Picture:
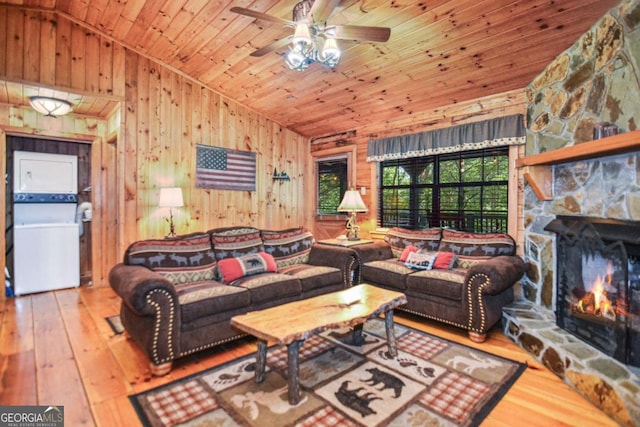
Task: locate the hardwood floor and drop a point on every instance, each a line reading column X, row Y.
column 57, row 349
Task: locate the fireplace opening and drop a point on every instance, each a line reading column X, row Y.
column 598, row 279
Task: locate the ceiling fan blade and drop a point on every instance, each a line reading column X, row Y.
column 321, row 9
column 260, row 15
column 271, row 47
column 361, row 33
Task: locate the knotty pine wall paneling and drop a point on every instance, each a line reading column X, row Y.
column 503, row 104
column 150, row 141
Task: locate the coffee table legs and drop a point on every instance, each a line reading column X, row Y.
column 391, row 337
column 293, row 351
column 261, row 361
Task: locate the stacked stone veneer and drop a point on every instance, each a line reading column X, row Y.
column 596, row 80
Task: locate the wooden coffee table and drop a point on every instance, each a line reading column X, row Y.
column 291, row 324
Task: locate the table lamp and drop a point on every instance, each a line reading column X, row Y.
column 171, row 197
column 352, row 203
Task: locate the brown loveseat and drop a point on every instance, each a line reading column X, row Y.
column 178, row 295
column 467, row 291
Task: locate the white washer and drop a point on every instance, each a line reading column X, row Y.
column 46, row 257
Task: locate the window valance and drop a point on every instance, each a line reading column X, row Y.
column 501, row 131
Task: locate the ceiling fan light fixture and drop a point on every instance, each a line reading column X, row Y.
column 330, row 53
column 296, row 60
column 48, row 106
column 302, row 36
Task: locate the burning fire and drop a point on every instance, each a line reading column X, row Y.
column 596, row 301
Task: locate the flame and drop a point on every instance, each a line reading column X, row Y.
column 602, row 305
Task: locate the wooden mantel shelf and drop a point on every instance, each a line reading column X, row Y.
column 538, row 172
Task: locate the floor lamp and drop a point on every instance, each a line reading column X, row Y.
column 171, row 198
column 352, row 203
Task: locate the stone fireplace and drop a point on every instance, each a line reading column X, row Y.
column 598, row 280
column 596, row 80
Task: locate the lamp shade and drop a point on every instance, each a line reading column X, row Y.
column 171, row 197
column 50, row 106
column 352, row 202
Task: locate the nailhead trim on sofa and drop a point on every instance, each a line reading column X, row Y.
column 156, row 332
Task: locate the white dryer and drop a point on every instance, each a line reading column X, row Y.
column 46, row 238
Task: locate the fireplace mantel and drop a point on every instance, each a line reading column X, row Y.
column 538, row 168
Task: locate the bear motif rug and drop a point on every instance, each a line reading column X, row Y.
column 432, row 382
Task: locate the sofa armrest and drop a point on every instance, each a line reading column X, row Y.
column 135, row 284
column 496, row 274
column 344, row 259
column 376, row 251
column 330, row 256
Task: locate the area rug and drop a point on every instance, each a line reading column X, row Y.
column 432, row 382
column 115, row 323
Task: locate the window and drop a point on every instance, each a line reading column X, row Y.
column 467, row 190
column 332, row 183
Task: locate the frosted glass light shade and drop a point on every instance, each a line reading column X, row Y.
column 50, row 106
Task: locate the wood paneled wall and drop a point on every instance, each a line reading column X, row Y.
column 504, row 104
column 150, row 141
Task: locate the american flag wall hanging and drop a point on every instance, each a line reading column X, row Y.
column 224, row 169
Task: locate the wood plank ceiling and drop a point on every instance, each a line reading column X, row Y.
column 441, row 52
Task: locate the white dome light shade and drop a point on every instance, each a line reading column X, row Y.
column 50, row 106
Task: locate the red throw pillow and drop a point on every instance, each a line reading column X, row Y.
column 407, row 250
column 231, row 269
column 445, row 260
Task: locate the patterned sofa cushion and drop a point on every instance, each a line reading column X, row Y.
column 182, row 260
column 442, row 283
column 398, row 238
column 472, row 248
column 288, row 247
column 391, row 272
column 233, row 242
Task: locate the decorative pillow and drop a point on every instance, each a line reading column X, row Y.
column 235, row 241
column 407, row 250
column 471, row 248
column 288, row 247
column 399, row 238
column 182, row 260
column 477, row 244
column 420, row 260
column 230, row 269
column 445, row 261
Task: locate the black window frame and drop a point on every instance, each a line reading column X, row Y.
column 421, row 214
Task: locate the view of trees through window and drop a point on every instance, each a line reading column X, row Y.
column 332, row 184
column 465, row 191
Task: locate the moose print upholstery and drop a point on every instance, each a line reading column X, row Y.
column 470, row 280
column 179, row 294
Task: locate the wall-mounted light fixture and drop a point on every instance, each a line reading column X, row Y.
column 52, row 107
column 171, row 197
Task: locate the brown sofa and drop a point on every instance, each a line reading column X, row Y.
column 178, row 295
column 468, row 292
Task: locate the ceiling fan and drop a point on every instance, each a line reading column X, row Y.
column 314, row 40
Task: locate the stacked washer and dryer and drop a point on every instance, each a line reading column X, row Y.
column 46, row 234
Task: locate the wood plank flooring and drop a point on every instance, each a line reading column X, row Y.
column 57, row 349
